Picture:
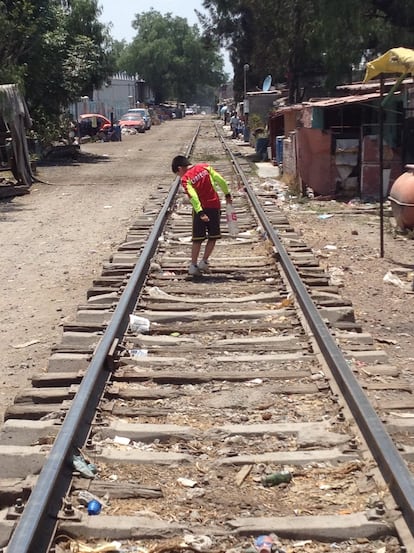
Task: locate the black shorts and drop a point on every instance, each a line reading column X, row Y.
column 201, row 230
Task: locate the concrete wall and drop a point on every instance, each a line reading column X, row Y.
column 289, row 155
column 261, row 103
column 315, row 164
column 121, row 93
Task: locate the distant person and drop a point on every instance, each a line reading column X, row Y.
column 234, row 125
column 200, row 183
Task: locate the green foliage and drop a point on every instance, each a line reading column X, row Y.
column 256, row 122
column 307, row 44
column 56, row 52
column 233, row 23
column 172, row 57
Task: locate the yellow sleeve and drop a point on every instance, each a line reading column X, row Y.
column 193, row 196
column 218, row 180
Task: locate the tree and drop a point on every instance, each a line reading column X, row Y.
column 19, row 22
column 304, row 43
column 398, row 13
column 172, row 57
column 55, row 51
column 232, row 22
column 89, row 60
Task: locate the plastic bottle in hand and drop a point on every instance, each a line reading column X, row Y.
column 231, row 217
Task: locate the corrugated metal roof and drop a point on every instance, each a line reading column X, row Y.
column 264, row 93
column 330, row 102
column 372, row 85
column 342, row 100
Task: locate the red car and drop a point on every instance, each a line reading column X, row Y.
column 132, row 121
column 92, row 123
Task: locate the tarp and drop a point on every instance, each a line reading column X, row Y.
column 396, row 60
column 14, row 112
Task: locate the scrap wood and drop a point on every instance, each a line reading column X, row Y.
column 243, row 474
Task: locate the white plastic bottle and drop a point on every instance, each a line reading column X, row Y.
column 231, row 217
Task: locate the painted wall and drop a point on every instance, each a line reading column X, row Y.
column 289, row 155
column 315, row 167
column 121, row 93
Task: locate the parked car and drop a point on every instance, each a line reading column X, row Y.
column 132, row 121
column 189, row 111
column 90, row 124
column 145, row 115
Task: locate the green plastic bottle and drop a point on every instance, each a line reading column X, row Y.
column 276, row 478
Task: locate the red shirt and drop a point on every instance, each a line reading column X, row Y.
column 200, row 183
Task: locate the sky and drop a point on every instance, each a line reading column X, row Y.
column 121, row 13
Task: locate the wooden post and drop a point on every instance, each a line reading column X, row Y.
column 381, row 164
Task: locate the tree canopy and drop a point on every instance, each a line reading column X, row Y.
column 55, row 51
column 173, row 57
column 58, row 50
column 307, row 42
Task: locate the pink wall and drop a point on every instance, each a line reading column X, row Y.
column 315, row 164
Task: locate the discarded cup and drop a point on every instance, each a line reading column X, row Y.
column 276, row 478
column 94, row 507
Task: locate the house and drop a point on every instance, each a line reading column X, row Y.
column 331, row 145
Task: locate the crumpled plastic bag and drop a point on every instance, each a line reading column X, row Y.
column 86, row 469
column 137, row 353
column 199, row 543
column 390, row 278
column 141, row 325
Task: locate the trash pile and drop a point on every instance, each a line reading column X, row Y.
column 190, row 542
column 95, row 505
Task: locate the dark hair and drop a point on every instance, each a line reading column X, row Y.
column 179, row 161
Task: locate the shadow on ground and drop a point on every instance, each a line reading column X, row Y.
column 69, row 155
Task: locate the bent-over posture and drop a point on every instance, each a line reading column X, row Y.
column 201, row 183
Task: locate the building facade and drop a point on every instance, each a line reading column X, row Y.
column 119, row 94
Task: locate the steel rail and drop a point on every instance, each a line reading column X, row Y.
column 37, row 524
column 392, row 466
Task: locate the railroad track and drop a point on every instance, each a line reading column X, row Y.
column 242, row 404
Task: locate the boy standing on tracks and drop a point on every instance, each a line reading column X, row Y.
column 200, row 183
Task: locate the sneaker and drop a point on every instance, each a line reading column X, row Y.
column 204, row 266
column 193, row 270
